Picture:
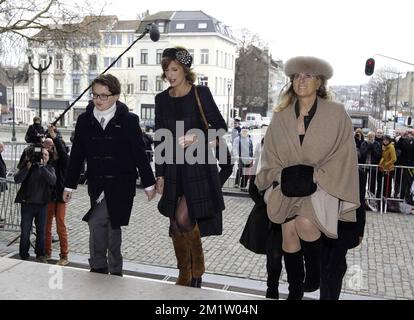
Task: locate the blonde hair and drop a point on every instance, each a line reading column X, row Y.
column 288, row 95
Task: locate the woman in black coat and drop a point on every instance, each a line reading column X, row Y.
column 191, row 190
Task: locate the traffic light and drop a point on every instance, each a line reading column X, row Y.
column 369, row 66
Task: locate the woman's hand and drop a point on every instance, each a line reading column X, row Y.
column 187, row 140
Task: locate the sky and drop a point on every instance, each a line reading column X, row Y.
column 345, row 33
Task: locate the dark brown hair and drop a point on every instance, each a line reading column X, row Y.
column 109, row 81
column 190, row 76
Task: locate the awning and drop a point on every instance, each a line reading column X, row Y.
column 49, row 104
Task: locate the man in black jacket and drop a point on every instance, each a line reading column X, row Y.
column 37, row 178
column 35, row 132
column 109, row 137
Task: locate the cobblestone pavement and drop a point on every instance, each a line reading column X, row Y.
column 385, row 258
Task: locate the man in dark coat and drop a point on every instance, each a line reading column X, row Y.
column 109, row 137
column 35, row 132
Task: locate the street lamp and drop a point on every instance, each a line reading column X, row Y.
column 40, row 69
column 228, row 101
column 13, row 76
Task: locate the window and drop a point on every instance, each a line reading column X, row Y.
column 147, row 111
column 130, row 88
column 158, row 84
column 93, row 62
column 43, row 60
column 159, row 56
column 131, row 38
column 144, row 56
column 58, row 87
column 191, row 52
column 75, row 87
column 44, row 86
column 143, row 83
column 113, row 39
column 204, row 56
column 202, row 25
column 130, row 62
column 59, row 62
column 180, row 26
column 161, row 27
column 31, row 82
column 109, row 60
column 76, row 62
column 225, row 60
column 217, row 58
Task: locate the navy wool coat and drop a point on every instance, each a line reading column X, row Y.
column 202, row 185
column 112, row 156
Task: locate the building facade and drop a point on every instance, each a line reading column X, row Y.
column 259, row 81
column 99, row 41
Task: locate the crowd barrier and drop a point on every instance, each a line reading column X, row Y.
column 9, row 211
column 384, row 191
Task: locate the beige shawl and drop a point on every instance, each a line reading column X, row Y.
column 329, row 147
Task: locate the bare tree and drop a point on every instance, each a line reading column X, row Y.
column 246, row 38
column 23, row 21
column 381, row 85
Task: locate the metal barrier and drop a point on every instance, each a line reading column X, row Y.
column 9, row 211
column 11, row 155
column 385, row 189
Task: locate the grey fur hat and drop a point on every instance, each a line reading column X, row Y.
column 311, row 65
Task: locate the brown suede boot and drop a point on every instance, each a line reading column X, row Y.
column 183, row 255
column 197, row 256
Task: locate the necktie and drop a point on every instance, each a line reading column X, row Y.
column 102, row 122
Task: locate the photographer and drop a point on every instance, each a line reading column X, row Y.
column 56, row 208
column 35, row 131
column 37, row 177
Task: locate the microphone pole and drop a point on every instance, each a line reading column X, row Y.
column 154, row 35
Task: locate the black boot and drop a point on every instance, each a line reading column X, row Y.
column 99, row 270
column 274, row 255
column 295, row 274
column 312, row 256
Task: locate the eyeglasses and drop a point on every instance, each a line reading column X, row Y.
column 303, row 76
column 102, row 97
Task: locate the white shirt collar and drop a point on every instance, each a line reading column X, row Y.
column 108, row 114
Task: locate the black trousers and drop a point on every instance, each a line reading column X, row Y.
column 333, row 268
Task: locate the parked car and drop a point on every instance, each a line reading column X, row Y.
column 10, row 121
column 254, row 120
column 149, row 124
column 265, row 121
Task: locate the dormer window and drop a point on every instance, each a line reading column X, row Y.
column 161, row 27
column 180, row 26
column 202, row 25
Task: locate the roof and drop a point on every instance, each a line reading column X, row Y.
column 127, row 25
column 191, row 21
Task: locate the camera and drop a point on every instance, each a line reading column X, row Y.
column 34, row 154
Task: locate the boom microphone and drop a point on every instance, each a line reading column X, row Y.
column 154, row 33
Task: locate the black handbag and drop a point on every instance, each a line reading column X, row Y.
column 255, row 232
column 297, row 181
